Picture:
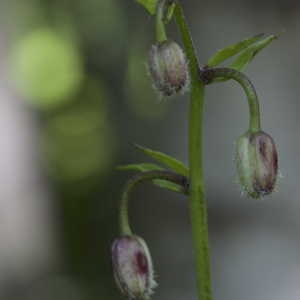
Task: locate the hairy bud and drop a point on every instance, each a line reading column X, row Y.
column 257, row 163
column 132, row 266
column 168, row 68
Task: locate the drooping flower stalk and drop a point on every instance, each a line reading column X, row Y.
column 207, row 75
column 138, row 179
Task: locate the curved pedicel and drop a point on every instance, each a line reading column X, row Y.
column 140, row 178
column 207, row 75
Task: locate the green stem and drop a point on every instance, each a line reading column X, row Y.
column 208, row 75
column 161, row 35
column 197, row 202
column 140, row 178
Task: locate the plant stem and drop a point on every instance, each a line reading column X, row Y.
column 198, row 209
column 161, row 35
column 209, row 74
column 140, row 178
column 197, row 202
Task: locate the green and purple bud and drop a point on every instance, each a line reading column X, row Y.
column 257, row 163
column 132, row 267
column 168, row 68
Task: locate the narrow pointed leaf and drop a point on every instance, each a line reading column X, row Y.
column 142, row 167
column 170, row 13
column 232, row 50
column 169, row 186
column 248, row 54
column 166, row 160
column 150, row 5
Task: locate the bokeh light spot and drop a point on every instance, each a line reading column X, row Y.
column 47, row 68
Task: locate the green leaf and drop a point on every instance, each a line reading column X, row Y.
column 168, row 185
column 170, row 13
column 166, row 160
column 232, row 50
column 150, row 5
column 142, row 167
column 249, row 53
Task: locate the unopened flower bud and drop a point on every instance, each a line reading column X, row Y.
column 168, row 68
column 257, row 163
column 132, row 266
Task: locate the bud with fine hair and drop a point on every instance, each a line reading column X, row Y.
column 168, row 68
column 132, row 267
column 257, row 163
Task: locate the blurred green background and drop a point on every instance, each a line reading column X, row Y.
column 74, row 95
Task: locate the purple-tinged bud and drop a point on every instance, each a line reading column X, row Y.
column 132, row 266
column 168, row 68
column 257, row 163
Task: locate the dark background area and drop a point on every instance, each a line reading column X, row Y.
column 74, row 95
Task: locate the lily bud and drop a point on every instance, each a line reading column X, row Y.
column 257, row 163
column 132, row 267
column 168, row 68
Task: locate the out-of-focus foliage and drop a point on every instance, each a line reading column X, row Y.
column 140, row 94
column 79, row 141
column 102, row 28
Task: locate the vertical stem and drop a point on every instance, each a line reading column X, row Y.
column 161, row 35
column 197, row 202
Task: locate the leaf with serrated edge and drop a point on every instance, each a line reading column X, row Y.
column 248, row 54
column 232, row 50
column 166, row 160
column 142, row 167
